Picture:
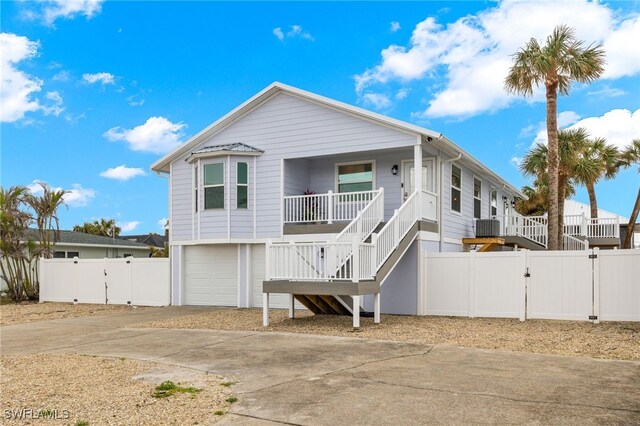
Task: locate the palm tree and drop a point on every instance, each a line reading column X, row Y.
column 536, row 202
column 598, row 160
column 45, row 208
column 536, row 163
column 558, row 63
column 630, row 156
column 104, row 227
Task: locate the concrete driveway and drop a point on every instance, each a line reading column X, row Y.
column 302, row 379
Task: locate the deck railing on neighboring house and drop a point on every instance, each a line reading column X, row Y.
column 327, row 207
column 600, row 227
column 572, row 243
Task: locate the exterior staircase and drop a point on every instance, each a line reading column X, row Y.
column 323, row 276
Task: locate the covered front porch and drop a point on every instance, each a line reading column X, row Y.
column 323, row 194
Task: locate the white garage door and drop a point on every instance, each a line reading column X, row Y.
column 258, row 271
column 211, row 275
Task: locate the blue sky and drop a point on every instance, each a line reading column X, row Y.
column 94, row 92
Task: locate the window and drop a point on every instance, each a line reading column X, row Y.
column 355, row 177
column 456, row 187
column 58, row 254
column 242, row 186
column 494, row 203
column 196, row 187
column 72, row 254
column 214, row 186
column 477, row 198
column 127, row 255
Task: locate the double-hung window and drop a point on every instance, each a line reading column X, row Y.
column 456, row 188
column 242, row 186
column 355, row 177
column 214, row 186
column 477, row 198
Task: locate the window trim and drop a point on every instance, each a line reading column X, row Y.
column 223, row 185
column 492, row 191
column 479, row 197
column 352, row 163
column 451, row 188
column 238, row 184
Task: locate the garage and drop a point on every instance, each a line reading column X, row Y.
column 211, row 275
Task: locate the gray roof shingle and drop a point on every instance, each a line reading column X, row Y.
column 70, row 237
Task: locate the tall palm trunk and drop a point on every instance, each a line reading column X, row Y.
column 552, row 136
column 632, row 221
column 562, row 194
column 592, row 200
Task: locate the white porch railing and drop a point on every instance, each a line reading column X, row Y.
column 349, row 257
column 389, row 237
column 533, row 228
column 570, row 243
column 327, row 207
column 601, row 227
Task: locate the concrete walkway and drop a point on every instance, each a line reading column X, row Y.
column 302, row 379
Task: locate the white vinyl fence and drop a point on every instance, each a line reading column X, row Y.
column 122, row 281
column 572, row 285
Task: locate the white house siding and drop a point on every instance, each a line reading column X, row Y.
column 181, row 182
column 284, row 127
column 399, row 292
column 297, row 176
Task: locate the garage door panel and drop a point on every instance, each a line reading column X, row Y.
column 211, row 275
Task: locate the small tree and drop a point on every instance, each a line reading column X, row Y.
column 103, row 227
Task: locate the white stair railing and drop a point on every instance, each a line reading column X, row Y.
column 571, row 243
column 389, row 237
column 533, row 228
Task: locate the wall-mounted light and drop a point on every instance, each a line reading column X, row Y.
column 504, row 199
column 394, row 169
column 513, row 203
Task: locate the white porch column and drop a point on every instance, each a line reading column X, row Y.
column 417, row 162
column 265, row 309
column 356, row 311
column 376, row 308
column 292, row 306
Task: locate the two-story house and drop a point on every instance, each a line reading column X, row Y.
column 305, row 198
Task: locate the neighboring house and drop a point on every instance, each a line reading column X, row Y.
column 239, row 223
column 575, row 210
column 88, row 246
column 154, row 240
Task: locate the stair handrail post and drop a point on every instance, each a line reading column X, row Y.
column 616, row 231
column 358, row 220
column 381, row 204
column 291, row 258
column 584, row 225
column 267, row 258
column 330, row 207
column 396, row 228
column 355, row 259
column 374, row 253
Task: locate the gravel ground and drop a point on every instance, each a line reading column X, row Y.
column 105, row 391
column 610, row 340
column 29, row 312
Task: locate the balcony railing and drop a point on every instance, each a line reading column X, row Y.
column 327, row 207
column 601, row 227
column 533, row 228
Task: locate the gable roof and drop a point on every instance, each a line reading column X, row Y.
column 437, row 139
column 155, row 240
column 80, row 238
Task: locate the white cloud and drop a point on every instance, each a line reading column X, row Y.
column 134, row 100
column 128, row 226
column 516, row 161
column 472, row 55
column 607, row 92
column 62, row 76
column 17, row 87
column 68, row 9
column 296, row 31
column 618, row 126
column 162, row 223
column 122, row 172
column 157, row 135
column 77, row 195
column 401, row 94
column 55, row 106
column 394, row 26
column 278, row 33
column 377, row 100
column 99, row 77
column 566, row 118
